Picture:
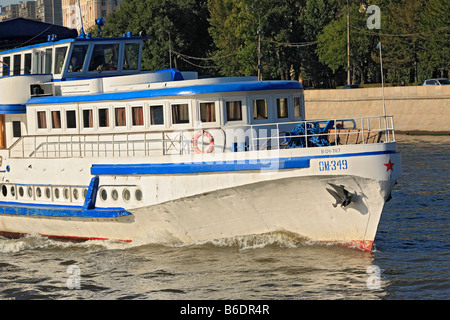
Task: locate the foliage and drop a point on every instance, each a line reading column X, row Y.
column 304, row 39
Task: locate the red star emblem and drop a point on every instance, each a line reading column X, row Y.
column 389, row 166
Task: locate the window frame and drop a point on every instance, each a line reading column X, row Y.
column 148, row 116
column 181, row 102
column 244, row 112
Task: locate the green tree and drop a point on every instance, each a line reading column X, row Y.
column 183, row 22
column 434, row 58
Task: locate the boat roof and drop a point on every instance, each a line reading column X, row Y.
column 85, row 39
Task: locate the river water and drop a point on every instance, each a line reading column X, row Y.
column 410, row 259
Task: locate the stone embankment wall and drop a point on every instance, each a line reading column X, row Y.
column 415, row 108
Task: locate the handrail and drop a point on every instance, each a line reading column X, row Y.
column 361, row 131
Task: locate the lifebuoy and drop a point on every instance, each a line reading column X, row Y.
column 207, row 135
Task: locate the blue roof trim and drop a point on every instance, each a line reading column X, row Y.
column 167, row 92
column 12, row 109
column 59, row 211
column 211, row 167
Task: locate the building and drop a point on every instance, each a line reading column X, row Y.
column 48, row 11
column 91, row 10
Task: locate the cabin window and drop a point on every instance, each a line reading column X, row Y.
column 180, row 113
column 17, row 130
column 88, row 121
column 282, row 108
column 137, row 114
column 120, row 117
column 27, row 64
column 131, row 57
column 6, row 66
column 16, row 67
column 56, row 119
column 60, row 57
column 103, row 118
column 42, row 120
column 156, row 115
column 71, row 119
column 104, row 57
column 208, row 112
column 260, row 109
column 48, row 60
column 297, row 107
column 77, row 59
column 234, row 110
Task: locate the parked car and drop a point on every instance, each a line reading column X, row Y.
column 351, row 86
column 435, row 82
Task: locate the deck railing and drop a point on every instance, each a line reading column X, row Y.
column 228, row 138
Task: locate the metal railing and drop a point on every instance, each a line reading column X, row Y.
column 229, row 138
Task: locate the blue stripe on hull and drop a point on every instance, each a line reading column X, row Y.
column 210, row 167
column 43, row 210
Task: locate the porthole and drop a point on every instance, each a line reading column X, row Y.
column 48, row 193
column 75, row 194
column 84, row 193
column 138, row 194
column 126, row 195
column 21, row 192
column 57, row 193
column 38, row 192
column 30, row 192
column 103, row 194
column 4, row 190
column 13, row 191
column 114, row 195
column 66, row 193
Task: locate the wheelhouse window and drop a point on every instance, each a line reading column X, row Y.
column 103, row 117
column 137, row 115
column 208, row 112
column 131, row 56
column 234, row 110
column 120, row 117
column 156, row 115
column 282, row 108
column 260, row 109
column 88, row 121
column 104, row 57
column 77, row 58
column 27, row 63
column 16, row 67
column 42, row 120
column 48, row 60
column 71, row 119
column 60, row 57
column 180, row 113
column 6, row 65
column 56, row 119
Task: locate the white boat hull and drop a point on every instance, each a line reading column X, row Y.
column 185, row 208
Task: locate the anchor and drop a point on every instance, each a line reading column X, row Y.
column 342, row 196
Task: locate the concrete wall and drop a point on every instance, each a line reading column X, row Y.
column 415, row 108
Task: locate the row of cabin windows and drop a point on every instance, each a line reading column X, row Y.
column 179, row 114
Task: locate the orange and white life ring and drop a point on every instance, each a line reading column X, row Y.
column 207, row 135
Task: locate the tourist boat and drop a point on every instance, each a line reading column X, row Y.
column 94, row 148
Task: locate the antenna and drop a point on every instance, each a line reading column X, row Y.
column 382, row 85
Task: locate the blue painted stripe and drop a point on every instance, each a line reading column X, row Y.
column 44, row 210
column 12, row 109
column 209, row 167
column 174, row 168
column 169, row 92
